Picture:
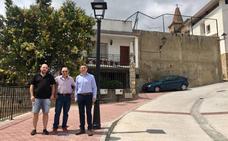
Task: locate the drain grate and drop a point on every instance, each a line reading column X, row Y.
column 220, row 91
column 155, row 131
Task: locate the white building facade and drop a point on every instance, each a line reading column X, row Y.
column 212, row 20
column 118, row 51
column 117, row 42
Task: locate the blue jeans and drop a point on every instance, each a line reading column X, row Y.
column 62, row 101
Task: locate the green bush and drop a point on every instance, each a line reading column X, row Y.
column 111, row 84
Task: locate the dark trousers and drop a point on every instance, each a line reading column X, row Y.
column 62, row 102
column 85, row 101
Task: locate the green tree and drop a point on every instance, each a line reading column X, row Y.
column 10, row 31
column 72, row 35
column 41, row 34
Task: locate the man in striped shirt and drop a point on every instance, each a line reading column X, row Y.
column 65, row 87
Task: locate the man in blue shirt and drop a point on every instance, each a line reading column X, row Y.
column 85, row 95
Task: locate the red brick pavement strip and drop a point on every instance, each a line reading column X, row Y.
column 19, row 129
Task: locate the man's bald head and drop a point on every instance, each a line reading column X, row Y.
column 44, row 68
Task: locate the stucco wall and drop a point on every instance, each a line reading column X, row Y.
column 116, row 43
column 220, row 13
column 116, row 33
column 225, row 23
column 195, row 57
column 116, row 25
column 215, row 14
column 113, row 50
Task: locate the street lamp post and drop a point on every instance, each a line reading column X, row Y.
column 99, row 7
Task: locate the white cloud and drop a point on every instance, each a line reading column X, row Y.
column 159, row 10
column 2, row 7
column 57, row 3
column 121, row 9
column 23, row 3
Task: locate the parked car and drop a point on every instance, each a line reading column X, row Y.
column 167, row 83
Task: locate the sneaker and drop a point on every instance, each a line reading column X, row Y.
column 90, row 132
column 33, row 132
column 80, row 132
column 45, row 132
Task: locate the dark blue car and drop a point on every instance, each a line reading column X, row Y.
column 173, row 82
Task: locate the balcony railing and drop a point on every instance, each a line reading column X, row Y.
column 106, row 60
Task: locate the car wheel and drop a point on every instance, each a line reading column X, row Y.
column 183, row 87
column 157, row 89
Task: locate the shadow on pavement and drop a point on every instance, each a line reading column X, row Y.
column 114, row 139
column 150, row 131
column 101, row 131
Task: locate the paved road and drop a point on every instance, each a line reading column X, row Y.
column 198, row 114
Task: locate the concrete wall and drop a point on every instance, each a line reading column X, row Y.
column 195, row 57
column 116, row 25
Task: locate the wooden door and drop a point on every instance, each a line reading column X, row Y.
column 124, row 55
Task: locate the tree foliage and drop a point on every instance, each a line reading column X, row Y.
column 41, row 34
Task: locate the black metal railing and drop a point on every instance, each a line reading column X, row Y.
column 14, row 101
column 106, row 60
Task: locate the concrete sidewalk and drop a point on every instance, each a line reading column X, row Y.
column 19, row 129
column 198, row 114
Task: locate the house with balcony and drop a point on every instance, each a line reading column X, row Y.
column 118, row 51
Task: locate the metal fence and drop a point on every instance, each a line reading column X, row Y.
column 105, row 60
column 14, row 101
column 142, row 21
